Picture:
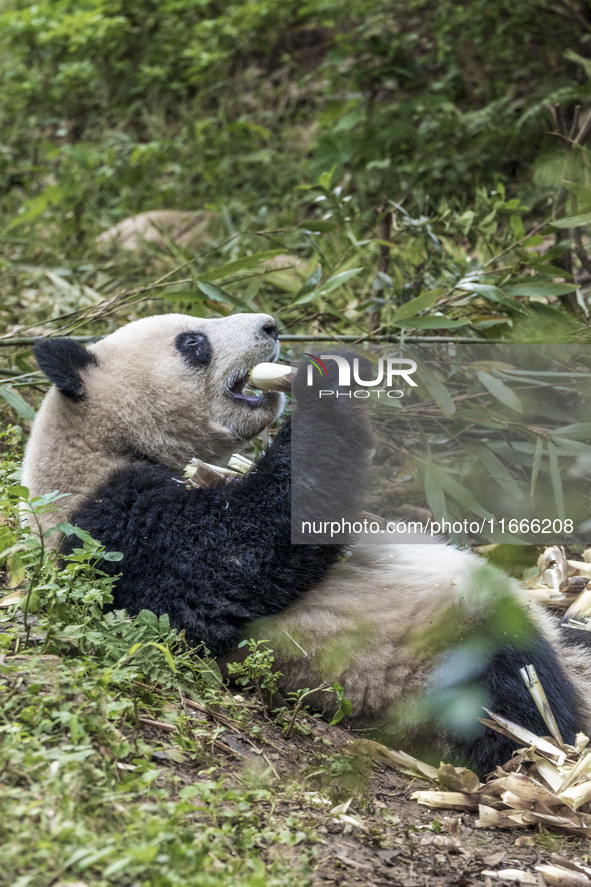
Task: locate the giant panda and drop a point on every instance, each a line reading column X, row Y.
column 392, row 623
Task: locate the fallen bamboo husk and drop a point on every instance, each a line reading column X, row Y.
column 199, row 474
column 547, row 783
column 560, row 582
column 534, row 685
column 13, row 598
column 560, row 876
column 517, row 875
column 566, row 874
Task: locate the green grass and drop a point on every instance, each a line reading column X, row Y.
column 88, row 796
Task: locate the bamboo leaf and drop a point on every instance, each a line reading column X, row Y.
column 436, row 389
column 571, row 447
column 574, row 431
column 537, row 460
column 573, row 221
column 431, row 322
column 331, row 284
column 18, row 403
column 187, row 295
column 243, row 264
column 246, row 263
column 434, row 493
column 500, row 391
column 540, row 289
column 338, row 280
column 162, row 647
column 463, row 495
column 165, row 652
column 497, row 470
column 482, row 289
column 415, row 306
column 217, row 294
column 556, row 480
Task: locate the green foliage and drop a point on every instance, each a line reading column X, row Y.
column 109, row 110
column 388, row 151
column 455, row 95
column 494, row 435
column 256, row 669
column 345, row 705
column 133, row 106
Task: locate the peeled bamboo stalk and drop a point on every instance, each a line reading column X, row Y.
column 272, row 377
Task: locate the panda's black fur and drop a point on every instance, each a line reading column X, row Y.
column 217, row 558
column 116, row 431
column 62, row 361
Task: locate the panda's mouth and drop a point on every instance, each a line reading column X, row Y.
column 235, row 388
column 239, row 380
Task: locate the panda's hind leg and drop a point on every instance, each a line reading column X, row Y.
column 507, row 695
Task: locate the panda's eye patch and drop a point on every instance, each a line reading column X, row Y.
column 195, row 347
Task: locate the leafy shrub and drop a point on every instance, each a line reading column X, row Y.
column 110, row 110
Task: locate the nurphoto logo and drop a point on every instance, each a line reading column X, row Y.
column 389, row 370
column 315, row 363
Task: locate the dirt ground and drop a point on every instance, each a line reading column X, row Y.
column 370, row 832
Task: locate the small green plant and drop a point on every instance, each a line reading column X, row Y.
column 256, row 669
column 298, row 698
column 345, row 706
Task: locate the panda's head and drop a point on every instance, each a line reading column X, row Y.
column 167, row 388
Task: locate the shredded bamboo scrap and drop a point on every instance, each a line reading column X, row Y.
column 542, row 785
column 561, row 583
column 200, row 474
column 561, row 872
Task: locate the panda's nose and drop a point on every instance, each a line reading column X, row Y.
column 270, row 329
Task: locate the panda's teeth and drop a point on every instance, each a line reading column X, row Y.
column 238, row 385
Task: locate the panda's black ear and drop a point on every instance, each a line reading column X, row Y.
column 62, row 361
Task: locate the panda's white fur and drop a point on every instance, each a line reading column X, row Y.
column 142, row 401
column 374, row 611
